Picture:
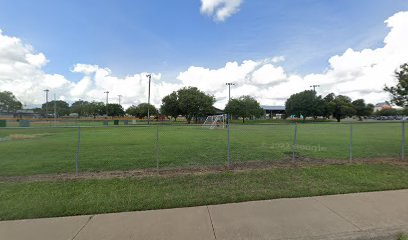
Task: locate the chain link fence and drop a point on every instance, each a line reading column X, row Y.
column 123, row 146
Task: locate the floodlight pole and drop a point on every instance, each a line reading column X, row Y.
column 148, row 99
column 55, row 109
column 314, row 87
column 229, row 96
column 80, row 108
column 228, row 125
column 46, row 102
column 120, row 96
column 107, row 99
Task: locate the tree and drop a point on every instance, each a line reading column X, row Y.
column 244, row 107
column 362, row 109
column 387, row 112
column 115, row 110
column 403, row 112
column 140, row 110
column 62, row 107
column 327, row 108
column 95, row 108
column 305, row 104
column 194, row 103
column 341, row 107
column 79, row 107
column 170, row 105
column 9, row 103
column 399, row 93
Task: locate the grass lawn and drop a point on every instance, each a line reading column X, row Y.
column 403, row 237
column 27, row 151
column 62, row 198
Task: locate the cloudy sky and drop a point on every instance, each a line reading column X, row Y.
column 270, row 48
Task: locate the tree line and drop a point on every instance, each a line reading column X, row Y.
column 308, row 104
column 194, row 104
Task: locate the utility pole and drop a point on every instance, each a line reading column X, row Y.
column 148, row 99
column 46, row 102
column 120, row 96
column 107, row 99
column 314, row 87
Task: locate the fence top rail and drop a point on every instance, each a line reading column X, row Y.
column 170, row 124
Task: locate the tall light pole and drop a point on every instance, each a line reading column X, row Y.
column 229, row 97
column 148, row 99
column 228, row 124
column 80, row 108
column 107, row 99
column 120, row 96
column 229, row 89
column 314, row 87
column 46, row 102
column 55, row 109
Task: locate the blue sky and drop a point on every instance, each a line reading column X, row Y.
column 169, row 36
column 80, row 48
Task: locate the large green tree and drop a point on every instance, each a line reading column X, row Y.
column 170, row 106
column 362, row 109
column 342, row 107
column 194, row 103
column 80, row 107
column 399, row 93
column 115, row 110
column 140, row 110
column 305, row 104
column 95, row 108
column 244, row 107
column 9, row 103
column 62, row 107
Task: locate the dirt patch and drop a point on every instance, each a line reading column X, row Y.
column 169, row 172
column 14, row 137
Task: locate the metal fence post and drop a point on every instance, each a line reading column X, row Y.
column 77, row 152
column 229, row 145
column 351, row 143
column 157, row 148
column 403, row 140
column 294, row 144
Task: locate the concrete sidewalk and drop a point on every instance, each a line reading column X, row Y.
column 377, row 215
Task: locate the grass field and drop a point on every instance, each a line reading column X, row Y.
column 28, row 151
column 62, row 198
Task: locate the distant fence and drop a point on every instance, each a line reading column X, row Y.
column 123, row 146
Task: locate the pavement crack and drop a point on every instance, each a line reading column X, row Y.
column 212, row 225
column 89, row 219
column 342, row 217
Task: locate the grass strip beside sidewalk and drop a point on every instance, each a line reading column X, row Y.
column 19, row 200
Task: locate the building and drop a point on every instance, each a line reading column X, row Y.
column 274, row 111
column 4, row 114
column 382, row 106
column 26, row 113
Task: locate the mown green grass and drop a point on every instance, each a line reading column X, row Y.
column 53, row 150
column 403, row 237
column 64, row 198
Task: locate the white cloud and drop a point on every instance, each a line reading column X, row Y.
column 21, row 71
column 358, row 74
column 220, row 9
